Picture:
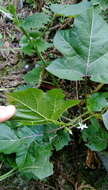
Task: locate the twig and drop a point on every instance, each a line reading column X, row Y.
column 98, row 88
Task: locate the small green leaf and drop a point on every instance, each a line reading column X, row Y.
column 70, row 10
column 36, row 45
column 36, row 21
column 96, row 102
column 26, row 46
column 34, row 77
column 105, row 119
column 41, row 45
column 36, row 107
column 62, row 139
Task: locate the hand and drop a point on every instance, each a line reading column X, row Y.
column 6, row 112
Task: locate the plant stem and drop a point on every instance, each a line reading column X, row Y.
column 41, row 57
column 8, row 174
column 98, row 88
column 69, row 124
column 72, row 121
column 82, row 115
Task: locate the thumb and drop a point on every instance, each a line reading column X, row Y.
column 6, row 112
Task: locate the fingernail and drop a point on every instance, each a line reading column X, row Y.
column 11, row 109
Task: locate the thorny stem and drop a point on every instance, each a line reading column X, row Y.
column 60, row 123
column 70, row 125
column 73, row 120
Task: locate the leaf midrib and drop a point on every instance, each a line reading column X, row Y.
column 35, row 111
column 89, row 50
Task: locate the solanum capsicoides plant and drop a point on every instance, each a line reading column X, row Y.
column 32, row 135
column 39, row 126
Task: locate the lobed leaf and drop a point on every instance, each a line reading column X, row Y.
column 32, row 150
column 85, row 49
column 37, row 163
column 36, row 107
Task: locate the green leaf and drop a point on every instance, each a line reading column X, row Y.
column 37, row 163
column 26, row 46
column 12, row 9
column 36, row 21
column 85, row 48
column 61, row 140
column 96, row 102
column 29, row 135
column 34, row 76
column 33, row 147
column 36, row 107
column 105, row 119
column 95, row 136
column 69, row 10
column 38, row 134
column 41, row 45
column 9, row 142
column 32, row 157
column 36, row 45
